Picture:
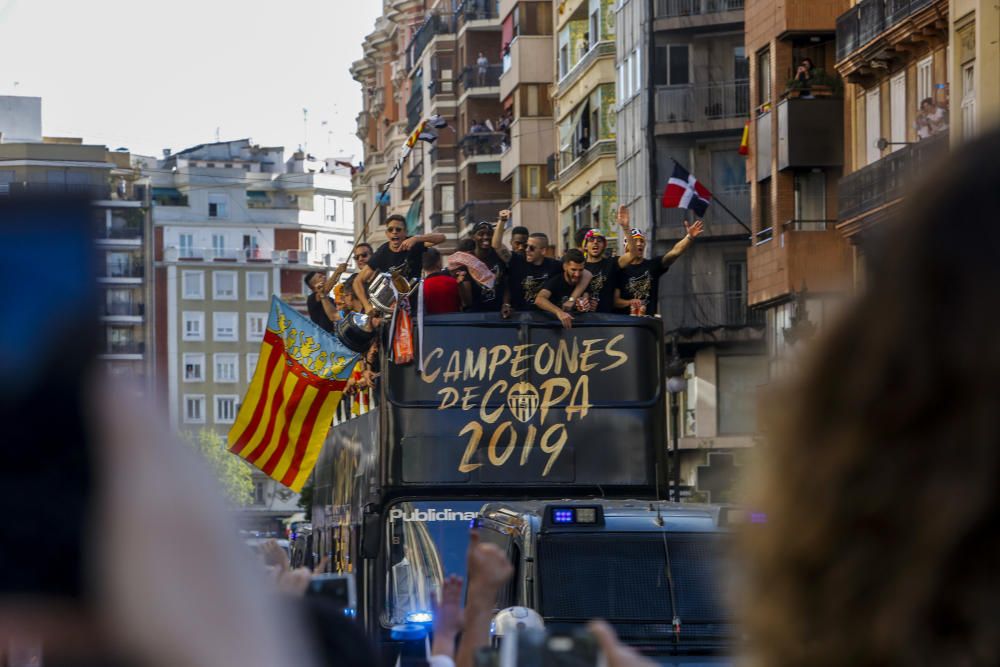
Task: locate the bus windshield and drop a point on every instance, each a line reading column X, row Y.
column 426, row 541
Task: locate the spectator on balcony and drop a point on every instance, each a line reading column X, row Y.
column 605, row 269
column 399, row 254
column 482, row 67
column 639, row 281
column 322, row 309
column 804, row 75
column 557, row 295
column 443, row 292
column 931, row 119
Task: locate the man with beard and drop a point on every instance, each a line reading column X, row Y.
column 556, row 295
column 605, row 269
column 486, row 299
column 362, row 253
column 639, row 282
column 526, row 275
column 397, row 255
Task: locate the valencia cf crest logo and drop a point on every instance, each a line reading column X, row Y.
column 523, row 401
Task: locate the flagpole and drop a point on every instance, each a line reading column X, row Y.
column 715, row 199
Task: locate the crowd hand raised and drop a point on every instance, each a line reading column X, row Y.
column 275, row 555
column 294, row 582
column 695, row 229
column 616, row 653
column 448, row 615
column 504, row 216
column 321, row 565
column 488, row 568
column 623, row 217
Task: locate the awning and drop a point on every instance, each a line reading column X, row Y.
column 166, row 192
column 487, row 167
column 257, row 195
column 414, row 225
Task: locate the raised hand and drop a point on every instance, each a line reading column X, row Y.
column 487, row 566
column 448, row 616
column 623, row 217
column 695, row 229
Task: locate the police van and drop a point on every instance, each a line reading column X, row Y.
column 494, row 411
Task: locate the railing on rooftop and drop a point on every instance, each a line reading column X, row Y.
column 482, row 143
column 703, row 101
column 474, row 76
column 708, row 310
column 678, row 8
column 436, row 24
column 889, row 179
column 868, row 19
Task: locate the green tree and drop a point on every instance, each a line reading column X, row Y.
column 233, row 474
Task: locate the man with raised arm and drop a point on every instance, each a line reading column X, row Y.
column 605, row 269
column 556, row 296
column 398, row 254
column 639, row 282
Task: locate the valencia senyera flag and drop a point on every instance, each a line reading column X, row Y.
column 286, row 414
column 684, row 191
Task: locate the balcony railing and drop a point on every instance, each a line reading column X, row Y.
column 124, row 309
column 571, row 163
column 678, row 8
column 702, row 101
column 124, row 347
column 711, row 310
column 809, row 225
column 889, row 179
column 473, row 77
column 482, row 143
column 436, row 24
column 475, row 211
column 126, row 269
column 120, row 233
column 868, row 19
column 442, row 219
column 477, row 10
column 441, row 87
column 599, row 50
column 442, row 154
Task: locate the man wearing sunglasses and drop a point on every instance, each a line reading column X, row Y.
column 362, row 253
column 398, row 254
column 605, row 269
column 639, row 282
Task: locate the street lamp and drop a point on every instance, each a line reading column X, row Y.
column 676, row 383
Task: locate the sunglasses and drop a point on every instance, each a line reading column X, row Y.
column 532, row 247
column 362, row 255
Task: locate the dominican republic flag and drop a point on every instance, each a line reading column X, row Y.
column 684, row 191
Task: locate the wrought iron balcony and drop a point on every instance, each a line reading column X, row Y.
column 476, row 10
column 471, row 78
column 482, row 143
column 868, row 19
column 889, row 179
column 703, row 101
column 678, row 8
column 708, row 310
column 436, row 24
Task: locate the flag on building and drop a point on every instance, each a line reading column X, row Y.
column 745, row 140
column 684, row 191
column 287, row 411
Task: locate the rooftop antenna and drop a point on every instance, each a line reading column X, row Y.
column 217, row 133
column 305, row 130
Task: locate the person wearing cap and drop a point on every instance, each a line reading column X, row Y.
column 488, row 299
column 639, row 281
column 605, row 269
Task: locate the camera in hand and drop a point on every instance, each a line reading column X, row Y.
column 338, row 588
column 531, row 647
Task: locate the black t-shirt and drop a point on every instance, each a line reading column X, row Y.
column 642, row 281
column 525, row 279
column 318, row 314
column 484, row 299
column 602, row 285
column 559, row 289
column 409, row 263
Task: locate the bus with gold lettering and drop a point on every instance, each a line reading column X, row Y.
column 492, row 410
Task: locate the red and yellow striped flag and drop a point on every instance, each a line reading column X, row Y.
column 289, row 406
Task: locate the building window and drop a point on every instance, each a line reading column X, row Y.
column 810, row 200
column 764, row 77
column 330, row 204
column 738, row 380
column 194, row 408
column 218, row 206
column 307, row 243
column 225, row 327
column 258, row 493
column 194, row 326
column 225, row 409
column 218, row 246
column 224, row 285
column 331, row 247
column 873, row 125
column 194, row 367
column 256, row 286
column 968, row 101
column 672, row 65
column 637, row 71
column 256, row 322
column 226, row 367
column 925, row 79
column 251, row 364
column 193, row 284
column 186, row 245
column 897, row 111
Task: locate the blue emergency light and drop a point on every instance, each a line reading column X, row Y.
column 578, row 515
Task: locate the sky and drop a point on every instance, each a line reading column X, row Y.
column 153, row 74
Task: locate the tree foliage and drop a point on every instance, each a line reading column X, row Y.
column 233, row 474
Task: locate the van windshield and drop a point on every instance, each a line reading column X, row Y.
column 425, row 542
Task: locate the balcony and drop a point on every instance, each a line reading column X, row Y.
column 436, row 24
column 474, row 82
column 810, row 133
column 871, row 19
column 124, row 310
column 596, row 52
column 688, row 313
column 763, row 152
column 479, row 144
column 127, row 232
column 701, row 106
column 531, row 142
column 124, row 347
column 887, row 181
column 571, row 164
column 530, row 61
column 475, row 211
column 689, row 14
column 477, row 13
column 123, row 268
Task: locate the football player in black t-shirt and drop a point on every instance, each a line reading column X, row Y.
column 398, row 254
column 639, row 282
column 604, row 269
column 556, row 296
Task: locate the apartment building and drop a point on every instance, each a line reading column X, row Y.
column 31, row 163
column 235, row 223
column 528, row 70
column 798, row 263
column 683, row 95
column 974, row 33
column 582, row 173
